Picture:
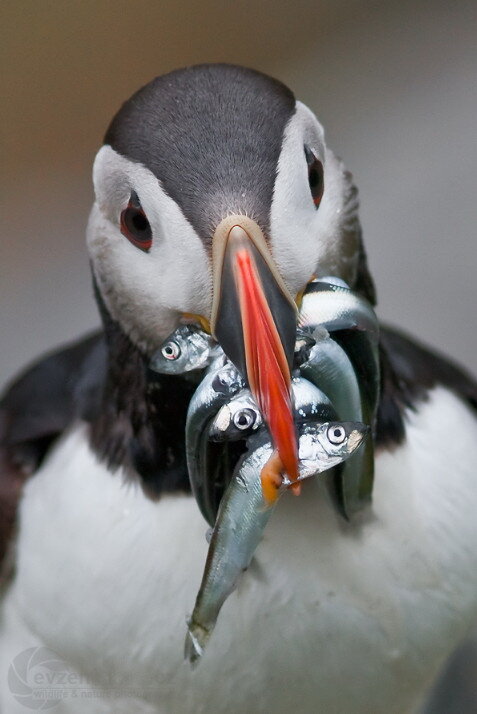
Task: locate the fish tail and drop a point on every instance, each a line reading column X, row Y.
column 195, row 642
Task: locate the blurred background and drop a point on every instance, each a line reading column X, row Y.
column 393, row 83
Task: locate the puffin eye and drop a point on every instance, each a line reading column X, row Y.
column 315, row 176
column 244, row 419
column 134, row 224
column 336, row 434
column 171, row 350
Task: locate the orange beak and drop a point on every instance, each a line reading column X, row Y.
column 254, row 320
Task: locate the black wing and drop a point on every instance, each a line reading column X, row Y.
column 408, row 371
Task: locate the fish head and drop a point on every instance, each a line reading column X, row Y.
column 186, row 349
column 237, row 419
column 304, row 341
column 341, row 438
column 226, row 379
column 324, row 445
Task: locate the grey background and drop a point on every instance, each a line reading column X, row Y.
column 394, row 84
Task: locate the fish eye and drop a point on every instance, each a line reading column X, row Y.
column 336, row 434
column 315, row 175
column 171, row 350
column 244, row 419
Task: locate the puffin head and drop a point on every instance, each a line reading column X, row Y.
column 217, row 201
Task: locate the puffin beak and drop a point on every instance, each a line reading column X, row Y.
column 254, row 319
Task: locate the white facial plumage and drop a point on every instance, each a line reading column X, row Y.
column 306, row 240
column 145, row 292
column 148, row 292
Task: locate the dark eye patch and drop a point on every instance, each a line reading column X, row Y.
column 315, row 176
column 134, row 224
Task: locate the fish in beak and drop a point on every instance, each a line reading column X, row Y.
column 254, row 319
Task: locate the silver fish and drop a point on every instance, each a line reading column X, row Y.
column 236, row 419
column 329, row 366
column 310, row 403
column 243, row 516
column 188, row 348
column 336, row 307
column 353, row 323
column 240, row 416
column 219, row 385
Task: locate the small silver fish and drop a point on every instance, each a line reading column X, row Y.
column 236, row 419
column 221, row 382
column 335, row 307
column 329, row 367
column 323, row 446
column 328, row 304
column 243, row 516
column 309, row 403
column 188, row 348
column 239, row 417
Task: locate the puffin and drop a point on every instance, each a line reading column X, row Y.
column 203, row 172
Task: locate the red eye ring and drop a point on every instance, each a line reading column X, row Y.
column 134, row 224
